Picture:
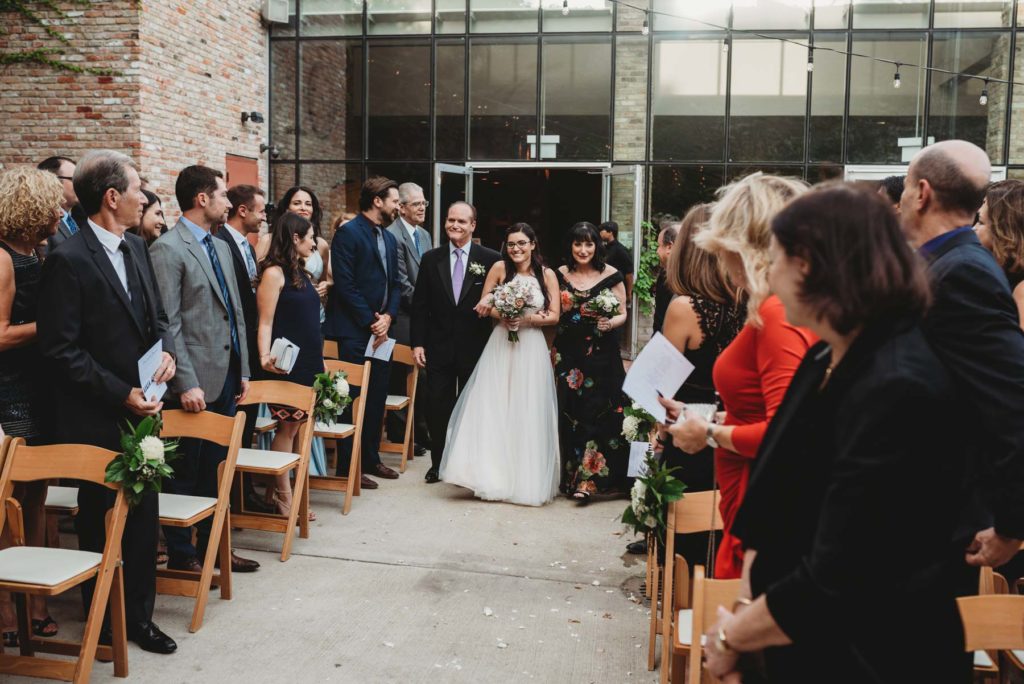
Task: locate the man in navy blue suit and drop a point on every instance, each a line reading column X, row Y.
column 362, row 304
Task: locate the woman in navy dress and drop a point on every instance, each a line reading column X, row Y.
column 289, row 307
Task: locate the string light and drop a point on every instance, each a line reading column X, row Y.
column 725, row 44
column 646, row 28
column 810, row 59
column 983, row 100
column 896, row 82
column 565, row 8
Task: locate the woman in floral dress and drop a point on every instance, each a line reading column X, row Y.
column 589, row 369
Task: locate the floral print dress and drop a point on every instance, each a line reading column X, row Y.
column 589, row 375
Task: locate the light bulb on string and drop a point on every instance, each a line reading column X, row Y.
column 565, row 8
column 725, row 44
column 646, row 28
column 983, row 100
column 896, row 82
column 810, row 59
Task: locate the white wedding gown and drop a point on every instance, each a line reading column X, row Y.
column 503, row 433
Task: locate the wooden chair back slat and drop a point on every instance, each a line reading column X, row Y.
column 695, row 512
column 70, row 461
column 281, row 392
column 992, row 622
column 403, row 354
column 206, row 425
column 331, row 349
column 708, row 594
column 355, row 372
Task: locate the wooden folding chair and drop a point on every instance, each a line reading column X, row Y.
column 331, row 350
column 992, row 622
column 358, row 376
column 267, row 462
column 396, row 402
column 41, row 571
column 179, row 510
column 708, row 595
column 60, row 501
column 695, row 512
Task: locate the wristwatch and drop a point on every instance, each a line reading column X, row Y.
column 710, row 434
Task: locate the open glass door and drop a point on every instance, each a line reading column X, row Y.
column 622, row 201
column 452, row 183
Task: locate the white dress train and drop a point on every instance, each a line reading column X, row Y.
column 503, row 434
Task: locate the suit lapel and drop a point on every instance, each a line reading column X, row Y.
column 99, row 255
column 444, row 267
column 199, row 252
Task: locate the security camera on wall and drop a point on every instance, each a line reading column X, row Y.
column 275, row 11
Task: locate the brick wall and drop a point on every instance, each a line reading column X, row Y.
column 187, row 71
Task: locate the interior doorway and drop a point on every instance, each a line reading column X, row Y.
column 551, row 200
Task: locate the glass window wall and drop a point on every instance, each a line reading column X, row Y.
column 689, row 84
column 282, row 96
column 502, row 98
column 828, row 98
column 398, row 100
column 331, row 17
column 331, row 100
column 401, row 17
column 336, row 187
column 576, row 99
column 450, row 101
column 674, row 189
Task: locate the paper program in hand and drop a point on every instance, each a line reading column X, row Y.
column 658, row 371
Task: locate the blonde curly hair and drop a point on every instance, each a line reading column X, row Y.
column 740, row 223
column 29, row 204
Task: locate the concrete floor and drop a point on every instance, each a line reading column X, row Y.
column 418, row 583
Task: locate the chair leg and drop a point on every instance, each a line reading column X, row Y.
column 226, row 578
column 119, row 635
column 24, row 629
column 653, row 628
column 304, row 511
column 299, row 506
column 206, row 576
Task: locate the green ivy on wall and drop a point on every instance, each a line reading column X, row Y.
column 29, row 11
column 647, row 274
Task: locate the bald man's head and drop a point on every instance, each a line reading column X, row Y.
column 957, row 173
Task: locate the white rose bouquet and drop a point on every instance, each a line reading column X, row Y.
column 603, row 305
column 510, row 299
column 650, row 497
column 332, row 395
column 144, row 461
column 637, row 424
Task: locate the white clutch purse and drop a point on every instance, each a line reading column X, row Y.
column 285, row 354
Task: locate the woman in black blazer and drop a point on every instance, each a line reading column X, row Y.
column 850, row 572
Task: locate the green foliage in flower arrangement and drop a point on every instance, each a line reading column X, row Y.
column 332, row 395
column 144, row 460
column 47, row 56
column 649, row 499
column 647, row 274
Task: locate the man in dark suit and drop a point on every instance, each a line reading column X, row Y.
column 663, row 295
column 617, row 255
column 99, row 311
column 361, row 307
column 447, row 334
column 72, row 216
column 973, row 326
column 413, row 242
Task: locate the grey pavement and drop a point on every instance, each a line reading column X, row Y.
column 419, row 583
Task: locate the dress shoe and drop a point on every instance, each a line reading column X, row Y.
column 432, row 476
column 419, row 450
column 257, row 505
column 367, row 483
column 239, row 564
column 149, row 638
column 381, row 470
column 637, row 548
column 190, row 564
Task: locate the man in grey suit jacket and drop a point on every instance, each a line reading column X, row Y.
column 200, row 294
column 413, row 242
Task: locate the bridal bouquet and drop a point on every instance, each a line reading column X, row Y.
column 332, row 395
column 649, row 499
column 144, row 461
column 605, row 304
column 510, row 299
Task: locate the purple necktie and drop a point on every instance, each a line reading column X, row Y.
column 457, row 275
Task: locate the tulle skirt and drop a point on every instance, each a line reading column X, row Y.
column 503, row 434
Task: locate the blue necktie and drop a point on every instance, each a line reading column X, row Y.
column 219, row 272
column 70, row 223
column 416, row 239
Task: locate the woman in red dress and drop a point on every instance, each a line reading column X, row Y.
column 752, row 374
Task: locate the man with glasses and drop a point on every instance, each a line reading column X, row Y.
column 413, row 242
column 71, row 215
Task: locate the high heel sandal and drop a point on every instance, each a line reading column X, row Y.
column 285, row 507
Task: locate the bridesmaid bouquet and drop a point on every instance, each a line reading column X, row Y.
column 510, row 299
column 637, row 424
column 144, row 462
column 649, row 499
column 332, row 395
column 604, row 304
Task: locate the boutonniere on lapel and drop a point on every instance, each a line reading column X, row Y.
column 477, row 268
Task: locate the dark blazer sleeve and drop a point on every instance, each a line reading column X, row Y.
column 988, row 365
column 394, row 276
column 344, row 252
column 420, row 316
column 59, row 330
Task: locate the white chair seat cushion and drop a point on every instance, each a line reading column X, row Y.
column 264, row 458
column 684, row 627
column 981, row 659
column 61, row 497
column 265, row 422
column 325, row 429
column 1018, row 654
column 395, row 401
column 182, row 507
column 39, row 565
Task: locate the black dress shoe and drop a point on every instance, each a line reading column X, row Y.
column 149, row 638
column 419, row 450
column 381, row 470
column 432, row 476
column 367, row 483
column 191, row 564
column 638, row 548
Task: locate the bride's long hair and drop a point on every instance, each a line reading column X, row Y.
column 536, row 262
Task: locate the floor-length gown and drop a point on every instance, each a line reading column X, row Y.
column 503, row 434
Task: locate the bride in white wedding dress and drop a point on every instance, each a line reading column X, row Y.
column 503, row 434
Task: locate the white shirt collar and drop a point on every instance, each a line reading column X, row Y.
column 409, row 228
column 110, row 242
column 464, row 248
column 239, row 239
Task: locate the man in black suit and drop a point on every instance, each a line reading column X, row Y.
column 99, row 311
column 973, row 326
column 361, row 307
column 72, row 216
column 617, row 255
column 247, row 214
column 447, row 334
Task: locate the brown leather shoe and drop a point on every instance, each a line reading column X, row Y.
column 239, row 564
column 367, row 483
column 381, row 470
column 189, row 564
